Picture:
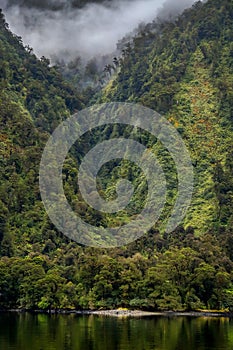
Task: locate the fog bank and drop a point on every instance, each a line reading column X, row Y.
column 61, row 28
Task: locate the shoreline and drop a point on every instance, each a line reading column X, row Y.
column 126, row 313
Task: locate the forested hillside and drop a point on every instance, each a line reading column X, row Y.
column 182, row 69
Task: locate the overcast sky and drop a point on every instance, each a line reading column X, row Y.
column 56, row 27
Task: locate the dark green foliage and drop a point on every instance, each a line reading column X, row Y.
column 183, row 69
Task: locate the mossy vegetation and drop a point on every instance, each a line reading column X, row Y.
column 182, row 69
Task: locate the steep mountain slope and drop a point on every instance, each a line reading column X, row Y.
column 33, row 100
column 182, row 69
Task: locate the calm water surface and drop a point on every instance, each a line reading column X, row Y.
column 72, row 332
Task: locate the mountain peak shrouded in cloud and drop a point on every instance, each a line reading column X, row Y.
column 40, row 4
column 70, row 28
column 54, row 5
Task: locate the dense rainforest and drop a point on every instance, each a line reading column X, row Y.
column 181, row 68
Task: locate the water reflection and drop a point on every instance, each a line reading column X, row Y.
column 75, row 332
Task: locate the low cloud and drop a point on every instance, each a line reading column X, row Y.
column 60, row 28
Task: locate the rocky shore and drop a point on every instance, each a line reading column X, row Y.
column 138, row 313
column 130, row 313
column 125, row 313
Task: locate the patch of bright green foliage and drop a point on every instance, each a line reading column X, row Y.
column 182, row 69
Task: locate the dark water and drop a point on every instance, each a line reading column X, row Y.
column 72, row 332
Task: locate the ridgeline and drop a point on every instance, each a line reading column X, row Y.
column 183, row 69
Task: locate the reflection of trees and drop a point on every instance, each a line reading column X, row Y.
column 77, row 332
